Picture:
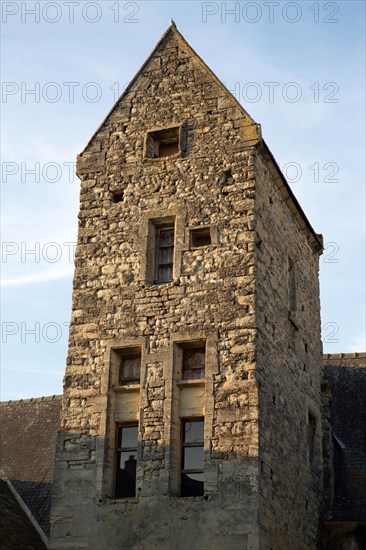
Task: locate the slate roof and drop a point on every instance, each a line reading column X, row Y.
column 346, row 377
column 17, row 530
column 28, row 430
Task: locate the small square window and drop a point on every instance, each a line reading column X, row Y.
column 200, row 237
column 291, row 285
column 117, row 196
column 193, row 362
column 129, row 366
column 162, row 143
column 311, row 436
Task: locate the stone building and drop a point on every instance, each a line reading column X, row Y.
column 191, row 407
column 192, row 414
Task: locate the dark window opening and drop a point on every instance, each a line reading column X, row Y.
column 168, row 149
column 164, row 254
column 311, row 436
column 192, row 477
column 292, row 285
column 162, row 143
column 228, row 177
column 193, row 363
column 130, row 366
column 126, row 460
column 117, row 196
column 200, row 237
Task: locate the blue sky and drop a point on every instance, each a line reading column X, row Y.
column 297, row 68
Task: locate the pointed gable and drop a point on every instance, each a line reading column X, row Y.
column 172, row 69
column 175, row 88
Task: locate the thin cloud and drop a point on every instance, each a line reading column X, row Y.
column 30, row 370
column 38, row 277
column 357, row 343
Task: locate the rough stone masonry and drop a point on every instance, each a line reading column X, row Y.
column 196, row 273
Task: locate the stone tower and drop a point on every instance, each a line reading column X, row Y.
column 191, row 407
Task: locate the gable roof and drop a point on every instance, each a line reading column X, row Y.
column 172, row 29
column 18, row 529
column 28, row 445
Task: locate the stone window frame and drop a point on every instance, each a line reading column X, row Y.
column 152, row 220
column 105, row 474
column 182, row 142
column 172, row 418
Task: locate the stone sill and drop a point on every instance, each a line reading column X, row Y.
column 161, row 159
column 127, row 388
column 190, row 383
column 135, row 500
column 204, row 247
column 201, row 498
column 127, row 500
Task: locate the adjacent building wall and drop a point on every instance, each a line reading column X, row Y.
column 344, row 390
column 345, row 375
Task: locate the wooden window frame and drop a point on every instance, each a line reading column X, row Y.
column 185, row 445
column 127, row 353
column 121, row 449
column 157, row 265
column 191, row 346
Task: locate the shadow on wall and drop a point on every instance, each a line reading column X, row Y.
column 85, row 509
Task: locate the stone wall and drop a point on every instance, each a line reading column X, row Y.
column 288, row 368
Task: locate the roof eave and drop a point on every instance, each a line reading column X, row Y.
column 316, row 239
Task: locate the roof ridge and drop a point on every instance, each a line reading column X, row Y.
column 340, row 355
column 30, row 400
